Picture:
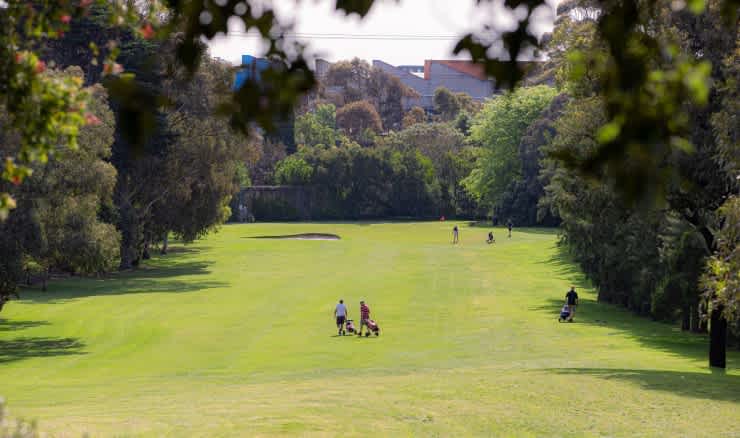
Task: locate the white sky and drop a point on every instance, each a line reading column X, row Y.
column 333, row 36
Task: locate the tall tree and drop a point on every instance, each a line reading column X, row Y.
column 317, row 127
column 56, row 225
column 499, row 128
column 360, row 121
column 358, row 81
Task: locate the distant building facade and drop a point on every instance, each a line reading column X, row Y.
column 251, row 69
column 457, row 76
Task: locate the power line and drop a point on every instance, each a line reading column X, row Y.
column 347, row 36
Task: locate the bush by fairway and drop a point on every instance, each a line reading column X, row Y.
column 234, row 337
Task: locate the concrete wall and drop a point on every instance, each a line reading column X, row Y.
column 265, row 203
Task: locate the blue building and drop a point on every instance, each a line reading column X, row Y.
column 251, row 69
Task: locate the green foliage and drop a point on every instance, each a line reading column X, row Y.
column 293, row 171
column 358, row 81
column 446, row 104
column 318, row 127
column 370, row 182
column 56, row 224
column 721, row 280
column 413, row 116
column 499, row 128
column 359, row 120
column 445, row 147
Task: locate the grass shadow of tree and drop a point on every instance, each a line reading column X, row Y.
column 159, row 277
column 714, row 386
column 652, row 334
column 11, row 325
column 25, row 348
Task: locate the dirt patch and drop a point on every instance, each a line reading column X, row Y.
column 303, row 236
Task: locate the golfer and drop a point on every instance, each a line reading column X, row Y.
column 510, row 227
column 490, row 238
column 455, row 235
column 364, row 316
column 340, row 312
column 571, row 298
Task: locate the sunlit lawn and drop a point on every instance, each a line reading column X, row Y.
column 234, row 337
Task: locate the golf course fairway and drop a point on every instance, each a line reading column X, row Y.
column 234, row 336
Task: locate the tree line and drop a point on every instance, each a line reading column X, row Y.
column 102, row 205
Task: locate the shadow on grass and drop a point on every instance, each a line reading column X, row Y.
column 714, row 386
column 10, row 325
column 652, row 334
column 26, row 348
column 566, row 269
column 148, row 279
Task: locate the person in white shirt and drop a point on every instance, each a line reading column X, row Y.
column 340, row 312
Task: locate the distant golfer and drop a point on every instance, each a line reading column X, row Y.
column 340, row 312
column 364, row 317
column 571, row 298
column 455, row 235
column 510, row 227
column 490, row 238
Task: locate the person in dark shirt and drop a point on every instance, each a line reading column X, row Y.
column 455, row 235
column 510, row 227
column 571, row 298
column 490, row 237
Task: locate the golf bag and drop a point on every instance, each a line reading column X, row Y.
column 374, row 327
column 564, row 313
column 349, row 326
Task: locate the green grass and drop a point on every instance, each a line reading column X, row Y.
column 234, row 337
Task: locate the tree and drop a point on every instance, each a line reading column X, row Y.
column 445, row 147
column 721, row 281
column 293, row 171
column 499, row 128
column 359, row 120
column 520, row 202
column 318, row 127
column 446, row 104
column 56, row 225
column 413, row 116
column 626, row 71
column 358, row 81
column 50, row 111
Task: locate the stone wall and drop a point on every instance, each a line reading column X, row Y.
column 280, row 203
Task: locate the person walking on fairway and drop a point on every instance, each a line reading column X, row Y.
column 490, row 238
column 510, row 227
column 364, row 316
column 455, row 235
column 340, row 313
column 571, row 298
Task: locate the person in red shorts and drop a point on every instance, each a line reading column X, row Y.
column 364, row 316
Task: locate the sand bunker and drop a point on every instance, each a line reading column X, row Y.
column 304, row 236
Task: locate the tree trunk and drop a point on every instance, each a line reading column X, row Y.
column 686, row 318
column 696, row 325
column 130, row 234
column 145, row 253
column 164, row 243
column 718, row 339
column 45, row 278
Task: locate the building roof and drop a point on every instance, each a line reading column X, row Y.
column 464, row 67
